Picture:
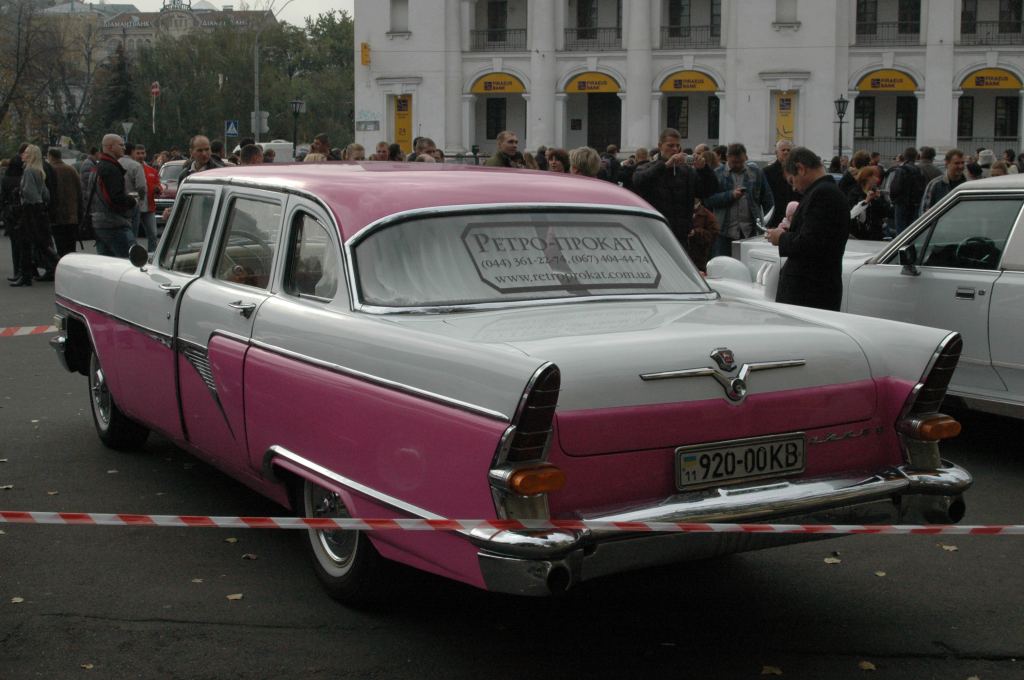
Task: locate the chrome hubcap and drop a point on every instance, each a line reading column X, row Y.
column 100, row 394
column 338, row 546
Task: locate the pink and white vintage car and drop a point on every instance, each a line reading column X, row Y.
column 417, row 341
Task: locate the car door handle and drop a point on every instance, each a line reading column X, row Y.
column 170, row 288
column 965, row 293
column 246, row 308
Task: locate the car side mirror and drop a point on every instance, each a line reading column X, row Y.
column 138, row 256
column 908, row 258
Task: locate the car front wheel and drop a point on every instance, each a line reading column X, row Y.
column 115, row 429
column 345, row 561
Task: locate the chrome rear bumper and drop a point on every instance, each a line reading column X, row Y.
column 540, row 563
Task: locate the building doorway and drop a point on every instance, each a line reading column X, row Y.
column 594, row 111
column 604, row 118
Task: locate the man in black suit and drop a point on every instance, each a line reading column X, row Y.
column 776, row 176
column 816, row 238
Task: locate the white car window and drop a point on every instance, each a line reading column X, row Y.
column 970, row 235
column 192, row 220
column 250, row 240
column 482, row 258
column 313, row 265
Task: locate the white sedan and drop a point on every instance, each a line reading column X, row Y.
column 960, row 266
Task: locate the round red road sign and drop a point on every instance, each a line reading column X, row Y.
column 154, row 89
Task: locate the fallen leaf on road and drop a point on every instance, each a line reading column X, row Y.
column 879, row 573
column 250, row 556
column 231, row 540
column 6, row 487
column 17, row 600
column 197, row 580
column 974, row 677
column 3, row 460
column 2, row 532
column 36, row 420
column 112, row 472
column 833, row 560
column 235, row 596
column 87, row 666
column 949, row 548
column 52, row 493
column 866, row 666
column 771, row 670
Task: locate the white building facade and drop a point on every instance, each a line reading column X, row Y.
column 568, row 73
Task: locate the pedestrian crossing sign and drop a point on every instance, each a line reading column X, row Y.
column 231, row 128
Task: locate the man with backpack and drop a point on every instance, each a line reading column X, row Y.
column 906, row 190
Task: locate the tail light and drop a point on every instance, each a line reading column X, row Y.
column 921, row 426
column 520, row 479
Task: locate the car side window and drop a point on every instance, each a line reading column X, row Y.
column 250, row 241
column 188, row 233
column 313, row 265
column 970, row 235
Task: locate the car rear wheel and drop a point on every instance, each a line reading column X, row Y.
column 115, row 429
column 345, row 561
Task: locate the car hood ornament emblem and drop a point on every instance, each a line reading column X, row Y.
column 735, row 386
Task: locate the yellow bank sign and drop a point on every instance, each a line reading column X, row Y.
column 887, row 80
column 592, row 81
column 991, row 79
column 689, row 81
column 498, row 83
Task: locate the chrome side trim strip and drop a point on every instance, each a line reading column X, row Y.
column 161, row 337
column 383, row 382
column 275, row 452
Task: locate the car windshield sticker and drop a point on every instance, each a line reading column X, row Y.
column 516, row 258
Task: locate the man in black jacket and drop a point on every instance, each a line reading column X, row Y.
column 776, row 176
column 111, row 206
column 671, row 186
column 816, row 238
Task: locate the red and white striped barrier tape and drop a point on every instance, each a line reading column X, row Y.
column 11, row 331
column 100, row 519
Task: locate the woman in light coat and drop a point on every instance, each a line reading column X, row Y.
column 37, row 242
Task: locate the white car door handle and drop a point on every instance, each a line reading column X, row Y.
column 965, row 293
column 170, row 288
column 246, row 308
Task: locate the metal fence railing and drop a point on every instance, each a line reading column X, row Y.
column 970, row 145
column 504, row 40
column 593, row 39
column 887, row 146
column 992, row 33
column 674, row 37
column 889, row 33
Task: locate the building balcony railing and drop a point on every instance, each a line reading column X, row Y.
column 593, row 39
column 498, row 40
column 992, row 33
column 889, row 147
column 970, row 145
column 673, row 37
column 889, row 33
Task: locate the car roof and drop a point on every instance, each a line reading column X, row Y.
column 359, row 194
column 1014, row 181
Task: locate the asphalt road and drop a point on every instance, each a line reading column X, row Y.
column 110, row 602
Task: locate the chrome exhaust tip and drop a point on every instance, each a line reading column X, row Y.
column 925, row 509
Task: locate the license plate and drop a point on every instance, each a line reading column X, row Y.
column 739, row 460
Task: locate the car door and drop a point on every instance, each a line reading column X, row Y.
column 147, row 299
column 958, row 255
column 215, row 323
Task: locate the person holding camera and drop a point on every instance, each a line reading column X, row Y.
column 869, row 206
column 743, row 198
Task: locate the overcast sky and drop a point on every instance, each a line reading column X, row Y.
column 294, row 13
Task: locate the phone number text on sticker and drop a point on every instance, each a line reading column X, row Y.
column 739, row 460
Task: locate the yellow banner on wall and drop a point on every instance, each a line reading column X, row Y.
column 991, row 79
column 498, row 83
column 403, row 122
column 592, row 81
column 785, row 115
column 689, row 81
column 887, row 80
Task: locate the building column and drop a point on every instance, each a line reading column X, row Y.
column 851, row 113
column 625, row 125
column 955, row 123
column 656, row 124
column 919, row 136
column 636, row 120
column 561, row 100
column 722, row 132
column 468, row 121
column 453, row 78
column 543, row 118
column 1020, row 122
column 467, row 23
column 524, row 141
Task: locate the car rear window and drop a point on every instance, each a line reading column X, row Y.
column 462, row 259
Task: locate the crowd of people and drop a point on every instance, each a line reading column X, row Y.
column 710, row 195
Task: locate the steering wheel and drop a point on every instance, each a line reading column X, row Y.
column 977, row 252
column 236, row 272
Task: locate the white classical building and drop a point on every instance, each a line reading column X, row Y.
column 943, row 73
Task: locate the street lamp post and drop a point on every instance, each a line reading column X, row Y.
column 841, row 105
column 298, row 106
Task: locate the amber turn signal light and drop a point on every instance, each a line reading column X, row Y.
column 931, row 428
column 535, row 480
